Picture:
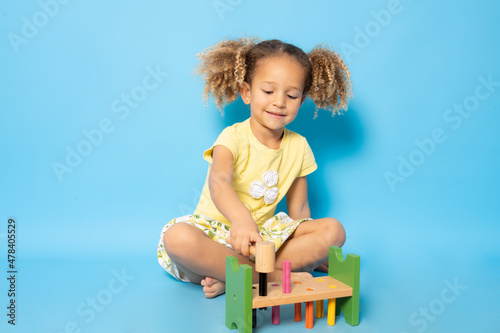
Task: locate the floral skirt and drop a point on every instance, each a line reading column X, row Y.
column 277, row 230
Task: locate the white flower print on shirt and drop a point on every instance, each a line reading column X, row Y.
column 266, row 189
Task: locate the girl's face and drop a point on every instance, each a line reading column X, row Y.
column 275, row 93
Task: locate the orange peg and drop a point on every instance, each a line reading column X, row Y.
column 298, row 311
column 309, row 314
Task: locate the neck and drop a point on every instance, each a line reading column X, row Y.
column 268, row 137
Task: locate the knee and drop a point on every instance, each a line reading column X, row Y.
column 334, row 232
column 177, row 239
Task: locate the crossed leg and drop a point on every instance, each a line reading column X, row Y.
column 308, row 247
column 203, row 260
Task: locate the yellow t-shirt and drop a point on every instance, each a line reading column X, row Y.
column 261, row 176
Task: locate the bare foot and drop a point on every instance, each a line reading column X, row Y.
column 213, row 287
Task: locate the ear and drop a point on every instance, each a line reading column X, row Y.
column 245, row 92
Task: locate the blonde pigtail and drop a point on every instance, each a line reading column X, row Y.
column 330, row 82
column 223, row 69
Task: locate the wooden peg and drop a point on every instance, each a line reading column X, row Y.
column 286, row 276
column 276, row 315
column 298, row 311
column 309, row 314
column 331, row 312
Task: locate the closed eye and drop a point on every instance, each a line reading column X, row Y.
column 267, row 91
column 292, row 97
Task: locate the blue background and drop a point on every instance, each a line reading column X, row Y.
column 91, row 234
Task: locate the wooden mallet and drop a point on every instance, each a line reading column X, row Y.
column 264, row 253
column 264, row 263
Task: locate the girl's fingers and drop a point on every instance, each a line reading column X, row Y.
column 243, row 246
column 245, row 249
column 255, row 237
column 233, row 245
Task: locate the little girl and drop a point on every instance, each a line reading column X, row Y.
column 254, row 164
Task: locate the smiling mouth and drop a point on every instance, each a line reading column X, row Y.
column 274, row 114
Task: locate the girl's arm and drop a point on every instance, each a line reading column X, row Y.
column 243, row 227
column 296, row 199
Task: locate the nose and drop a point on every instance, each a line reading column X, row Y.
column 279, row 101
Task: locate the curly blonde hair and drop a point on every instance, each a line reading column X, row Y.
column 226, row 65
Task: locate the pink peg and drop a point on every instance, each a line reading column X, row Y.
column 276, row 315
column 286, row 276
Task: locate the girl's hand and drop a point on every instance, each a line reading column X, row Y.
column 242, row 236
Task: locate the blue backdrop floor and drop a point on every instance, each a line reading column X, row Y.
column 118, row 294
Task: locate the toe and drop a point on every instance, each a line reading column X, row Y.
column 210, row 293
column 209, row 281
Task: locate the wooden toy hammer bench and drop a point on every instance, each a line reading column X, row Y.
column 340, row 288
